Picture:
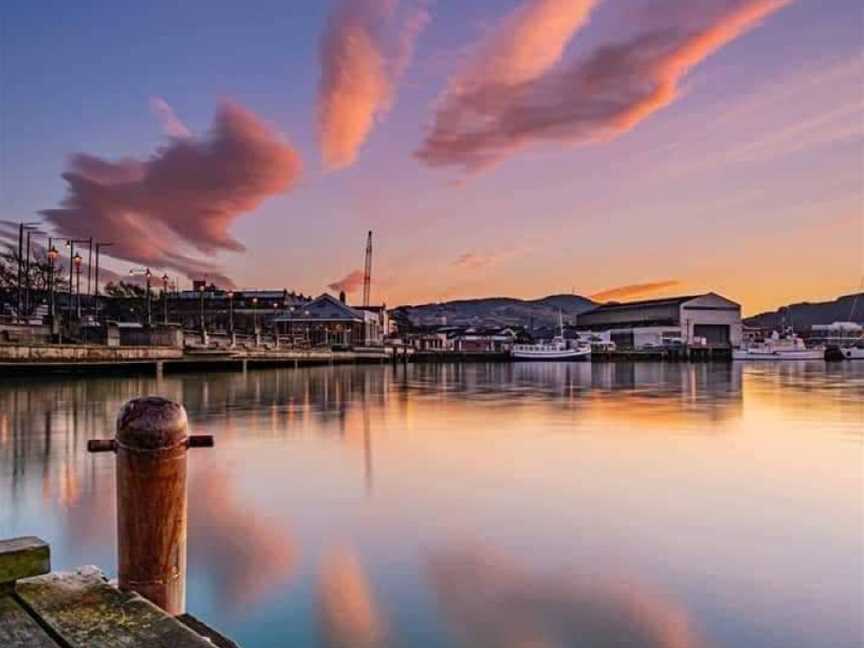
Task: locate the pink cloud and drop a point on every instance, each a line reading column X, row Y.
column 482, row 120
column 158, row 212
column 363, row 53
column 171, row 123
column 350, row 283
column 474, row 260
column 634, row 290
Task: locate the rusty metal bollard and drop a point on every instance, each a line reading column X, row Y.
column 151, row 443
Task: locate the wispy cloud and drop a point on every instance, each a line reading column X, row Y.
column 171, row 123
column 350, row 283
column 526, row 100
column 634, row 290
column 364, row 50
column 160, row 211
column 474, row 260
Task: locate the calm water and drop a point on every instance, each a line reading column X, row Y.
column 484, row 505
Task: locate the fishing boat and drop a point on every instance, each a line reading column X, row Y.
column 779, row 347
column 853, row 352
column 556, row 349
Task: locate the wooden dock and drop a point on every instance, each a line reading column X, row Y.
column 81, row 609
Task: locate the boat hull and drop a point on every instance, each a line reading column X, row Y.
column 852, row 353
column 551, row 356
column 798, row 354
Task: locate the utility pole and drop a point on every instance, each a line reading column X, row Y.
column 99, row 246
column 18, row 301
column 89, row 266
column 367, row 273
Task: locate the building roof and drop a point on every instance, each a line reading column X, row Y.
column 644, row 303
column 323, row 308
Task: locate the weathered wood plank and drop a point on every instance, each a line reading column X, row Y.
column 86, row 612
column 219, row 640
column 18, row 629
column 23, row 558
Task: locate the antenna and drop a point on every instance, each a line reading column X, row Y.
column 367, row 273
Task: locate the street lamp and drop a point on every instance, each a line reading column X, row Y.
column 147, row 274
column 76, row 261
column 53, row 255
column 201, row 288
column 255, row 315
column 165, row 280
column 230, row 295
column 71, row 245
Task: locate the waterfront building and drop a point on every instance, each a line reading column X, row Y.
column 707, row 320
column 329, row 322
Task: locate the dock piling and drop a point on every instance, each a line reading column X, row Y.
column 151, row 445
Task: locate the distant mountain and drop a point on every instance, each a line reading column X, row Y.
column 804, row 315
column 496, row 311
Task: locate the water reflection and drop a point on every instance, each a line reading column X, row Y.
column 493, row 602
column 348, row 612
column 644, row 504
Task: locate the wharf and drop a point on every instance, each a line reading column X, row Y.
column 89, row 359
column 81, row 609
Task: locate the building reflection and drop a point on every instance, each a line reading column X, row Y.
column 491, row 601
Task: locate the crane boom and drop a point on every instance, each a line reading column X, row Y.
column 367, row 273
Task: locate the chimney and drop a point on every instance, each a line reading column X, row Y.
column 342, row 296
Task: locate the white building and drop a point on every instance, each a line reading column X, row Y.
column 707, row 320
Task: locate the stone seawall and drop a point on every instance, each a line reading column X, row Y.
column 61, row 353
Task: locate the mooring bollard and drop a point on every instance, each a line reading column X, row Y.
column 151, row 443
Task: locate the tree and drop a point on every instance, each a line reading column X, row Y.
column 39, row 274
column 123, row 289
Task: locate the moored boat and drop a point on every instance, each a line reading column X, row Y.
column 556, row 349
column 777, row 347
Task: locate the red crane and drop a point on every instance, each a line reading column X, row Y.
column 367, row 273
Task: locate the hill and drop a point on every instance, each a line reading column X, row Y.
column 496, row 311
column 804, row 315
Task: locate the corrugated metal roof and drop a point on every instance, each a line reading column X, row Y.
column 663, row 301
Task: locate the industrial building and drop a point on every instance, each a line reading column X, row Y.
column 704, row 321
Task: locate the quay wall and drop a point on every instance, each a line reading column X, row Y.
column 78, row 353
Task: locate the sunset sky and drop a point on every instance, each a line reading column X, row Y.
column 620, row 148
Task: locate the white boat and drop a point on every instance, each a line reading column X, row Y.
column 852, row 352
column 777, row 347
column 556, row 349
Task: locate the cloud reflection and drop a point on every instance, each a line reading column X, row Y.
column 347, row 611
column 238, row 548
column 492, row 602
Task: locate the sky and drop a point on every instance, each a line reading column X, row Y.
column 609, row 148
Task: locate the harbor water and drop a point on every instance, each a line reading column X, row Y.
column 558, row 504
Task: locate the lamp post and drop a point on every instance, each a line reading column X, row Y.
column 76, row 261
column 230, row 295
column 71, row 245
column 255, row 315
column 99, row 246
column 53, row 254
column 201, row 288
column 147, row 274
column 165, row 280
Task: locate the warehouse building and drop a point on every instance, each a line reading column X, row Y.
column 708, row 321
